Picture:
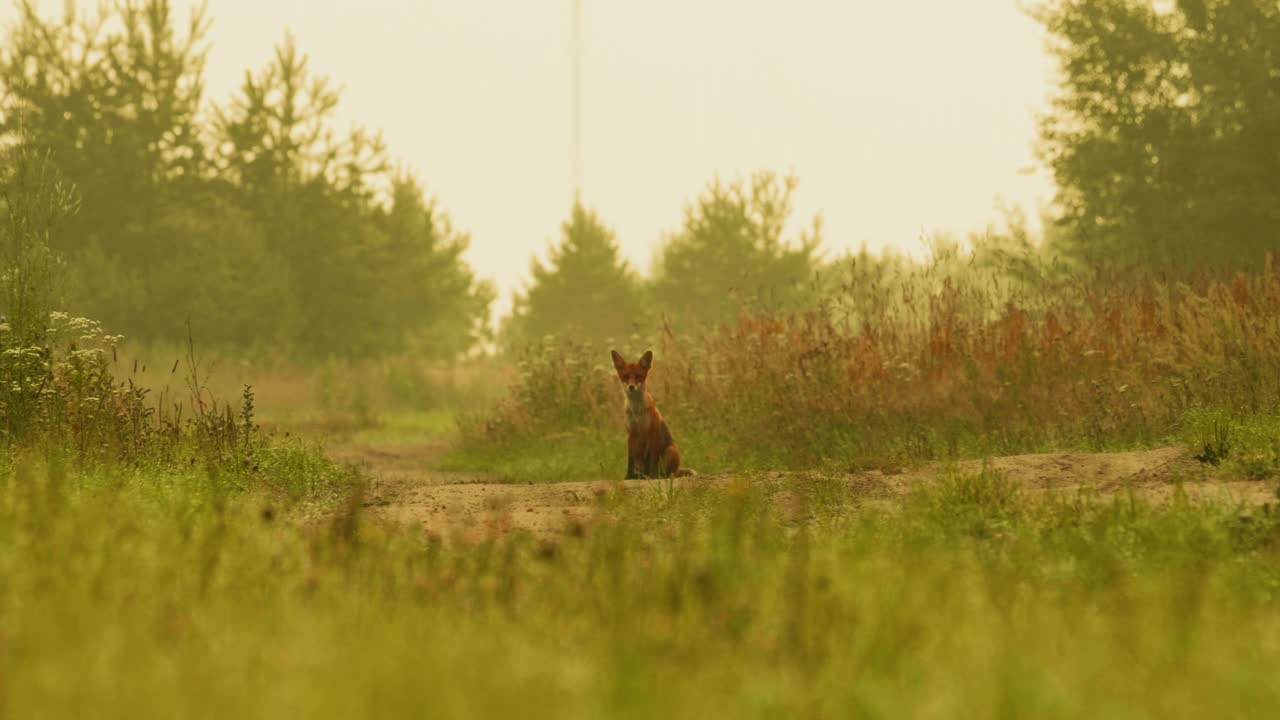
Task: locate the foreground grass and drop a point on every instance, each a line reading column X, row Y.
column 154, row 595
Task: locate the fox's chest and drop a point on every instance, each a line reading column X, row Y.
column 638, row 418
column 647, row 435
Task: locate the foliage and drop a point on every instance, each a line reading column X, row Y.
column 731, row 254
column 1001, row 264
column 921, row 369
column 319, row 245
column 585, row 291
column 421, row 266
column 158, row 600
column 114, row 98
column 228, row 277
column 61, row 386
column 1164, row 138
column 1245, row 445
column 65, row 390
column 34, row 200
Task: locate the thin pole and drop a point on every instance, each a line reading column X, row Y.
column 576, row 64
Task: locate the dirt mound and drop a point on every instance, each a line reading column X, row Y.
column 454, row 506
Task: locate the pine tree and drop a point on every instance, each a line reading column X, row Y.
column 731, row 255
column 584, row 292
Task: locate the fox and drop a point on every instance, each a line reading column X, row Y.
column 651, row 451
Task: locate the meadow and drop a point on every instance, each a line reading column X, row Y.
column 150, row 594
column 929, row 364
column 1025, row 476
column 182, row 554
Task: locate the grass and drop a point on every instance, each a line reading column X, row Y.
column 142, row 596
column 1246, row 447
column 577, row 454
column 164, row 558
column 231, row 574
column 950, row 370
column 584, row 454
column 391, row 399
column 409, row 427
column 1237, row 446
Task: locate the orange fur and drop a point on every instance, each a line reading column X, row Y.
column 651, row 452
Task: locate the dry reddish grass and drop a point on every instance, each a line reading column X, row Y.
column 962, row 370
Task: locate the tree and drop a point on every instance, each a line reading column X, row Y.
column 261, row 226
column 311, row 192
column 117, row 109
column 275, row 135
column 731, row 254
column 422, row 271
column 374, row 266
column 227, row 282
column 1164, row 137
column 585, row 291
column 113, row 99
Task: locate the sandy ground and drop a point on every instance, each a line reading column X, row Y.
column 456, row 506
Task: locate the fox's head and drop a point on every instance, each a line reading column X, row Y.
column 633, row 374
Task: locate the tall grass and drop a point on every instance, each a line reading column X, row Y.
column 34, row 200
column 334, row 398
column 926, row 368
column 65, row 391
column 139, row 600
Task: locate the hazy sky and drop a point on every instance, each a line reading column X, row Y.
column 898, row 116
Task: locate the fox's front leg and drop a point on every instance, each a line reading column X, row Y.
column 631, row 465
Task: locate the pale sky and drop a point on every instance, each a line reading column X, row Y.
column 898, row 116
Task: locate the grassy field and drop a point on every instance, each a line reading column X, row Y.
column 1033, row 472
column 150, row 594
column 927, row 369
column 179, row 561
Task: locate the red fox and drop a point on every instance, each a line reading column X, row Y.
column 650, row 450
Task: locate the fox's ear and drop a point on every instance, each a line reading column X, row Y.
column 618, row 362
column 646, row 360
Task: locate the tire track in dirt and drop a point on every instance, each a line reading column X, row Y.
column 456, row 506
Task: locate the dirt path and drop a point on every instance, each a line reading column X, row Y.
column 452, row 505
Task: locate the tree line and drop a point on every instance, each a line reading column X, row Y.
column 258, row 223
column 1163, row 137
column 732, row 252
column 1164, row 133
column 252, row 220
